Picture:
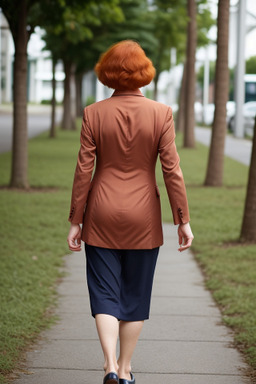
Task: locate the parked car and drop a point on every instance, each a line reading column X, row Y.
column 206, row 115
column 249, row 113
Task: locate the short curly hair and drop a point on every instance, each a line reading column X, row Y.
column 125, row 66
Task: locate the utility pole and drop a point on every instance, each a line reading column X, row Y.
column 240, row 70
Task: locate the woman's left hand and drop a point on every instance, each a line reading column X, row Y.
column 74, row 238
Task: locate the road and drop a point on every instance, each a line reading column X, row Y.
column 38, row 122
column 237, row 149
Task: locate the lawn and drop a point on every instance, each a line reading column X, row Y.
column 33, row 230
column 33, row 240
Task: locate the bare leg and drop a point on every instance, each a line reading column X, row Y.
column 129, row 332
column 107, row 327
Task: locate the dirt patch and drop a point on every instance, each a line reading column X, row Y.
column 30, row 189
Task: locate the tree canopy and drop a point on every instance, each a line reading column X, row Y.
column 250, row 65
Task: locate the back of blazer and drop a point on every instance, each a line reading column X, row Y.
column 120, row 206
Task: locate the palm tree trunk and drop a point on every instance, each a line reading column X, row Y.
column 19, row 172
column 189, row 137
column 180, row 123
column 79, row 106
column 53, row 120
column 67, row 119
column 214, row 176
column 248, row 231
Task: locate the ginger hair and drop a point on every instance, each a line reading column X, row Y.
column 125, row 66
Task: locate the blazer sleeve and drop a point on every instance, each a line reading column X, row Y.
column 172, row 173
column 83, row 173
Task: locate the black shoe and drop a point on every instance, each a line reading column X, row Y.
column 125, row 381
column 111, row 378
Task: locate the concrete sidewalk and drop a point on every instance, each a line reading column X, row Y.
column 238, row 149
column 39, row 120
column 182, row 343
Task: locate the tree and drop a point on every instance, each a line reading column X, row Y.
column 74, row 16
column 214, row 175
column 136, row 25
column 180, row 121
column 53, row 126
column 188, row 138
column 169, row 19
column 204, row 21
column 85, row 62
column 248, row 230
column 76, row 24
column 17, row 15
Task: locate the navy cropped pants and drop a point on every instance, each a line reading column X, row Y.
column 120, row 281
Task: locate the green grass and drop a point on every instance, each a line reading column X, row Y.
column 216, row 217
column 33, row 240
column 33, row 231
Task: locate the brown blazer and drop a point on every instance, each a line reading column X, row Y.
column 120, row 206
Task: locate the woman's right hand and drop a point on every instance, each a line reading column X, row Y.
column 185, row 236
column 74, row 238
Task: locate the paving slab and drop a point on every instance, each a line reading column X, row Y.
column 163, row 356
column 73, row 304
column 199, row 306
column 67, row 376
column 166, row 356
column 66, row 354
column 179, row 289
column 169, row 328
column 64, row 376
column 72, row 327
column 186, row 328
column 184, row 342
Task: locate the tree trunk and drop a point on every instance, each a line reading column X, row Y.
column 180, row 123
column 214, row 175
column 68, row 121
column 155, row 95
column 79, row 105
column 189, row 137
column 19, row 173
column 248, row 231
column 53, row 121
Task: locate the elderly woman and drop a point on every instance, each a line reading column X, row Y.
column 119, row 207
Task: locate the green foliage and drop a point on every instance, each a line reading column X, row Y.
column 72, row 24
column 90, row 100
column 170, row 20
column 216, row 217
column 13, row 13
column 250, row 65
column 137, row 25
column 204, row 23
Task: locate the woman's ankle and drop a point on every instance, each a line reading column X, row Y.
column 112, row 367
column 124, row 371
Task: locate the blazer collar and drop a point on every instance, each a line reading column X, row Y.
column 135, row 92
